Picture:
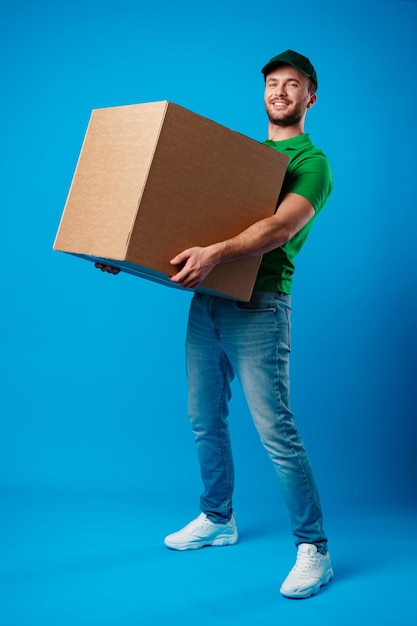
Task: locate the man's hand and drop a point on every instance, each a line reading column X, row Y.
column 107, row 268
column 194, row 265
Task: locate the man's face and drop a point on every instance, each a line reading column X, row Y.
column 287, row 96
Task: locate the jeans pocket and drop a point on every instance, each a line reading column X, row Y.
column 250, row 307
column 261, row 302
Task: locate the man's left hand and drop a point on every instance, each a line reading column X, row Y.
column 194, row 265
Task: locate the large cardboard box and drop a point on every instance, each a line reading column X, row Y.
column 153, row 179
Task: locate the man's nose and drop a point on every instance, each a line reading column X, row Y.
column 280, row 90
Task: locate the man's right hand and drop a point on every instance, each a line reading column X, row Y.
column 107, row 268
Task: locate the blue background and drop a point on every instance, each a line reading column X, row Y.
column 93, row 389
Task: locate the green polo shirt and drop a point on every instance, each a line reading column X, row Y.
column 309, row 175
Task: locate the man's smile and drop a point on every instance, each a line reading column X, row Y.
column 279, row 103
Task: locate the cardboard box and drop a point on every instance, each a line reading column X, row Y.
column 153, row 179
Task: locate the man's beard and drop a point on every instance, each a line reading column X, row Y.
column 291, row 119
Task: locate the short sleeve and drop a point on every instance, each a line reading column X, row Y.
column 311, row 178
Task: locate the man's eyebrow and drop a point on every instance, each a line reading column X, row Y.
column 286, row 80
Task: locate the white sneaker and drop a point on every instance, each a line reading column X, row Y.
column 311, row 571
column 202, row 532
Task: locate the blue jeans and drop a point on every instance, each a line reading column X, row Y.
column 252, row 341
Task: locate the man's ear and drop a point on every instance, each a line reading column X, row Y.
column 312, row 101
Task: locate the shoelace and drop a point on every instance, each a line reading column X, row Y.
column 305, row 563
column 200, row 521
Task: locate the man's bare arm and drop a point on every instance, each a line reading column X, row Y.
column 272, row 232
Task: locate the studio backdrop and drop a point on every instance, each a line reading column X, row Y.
column 93, row 386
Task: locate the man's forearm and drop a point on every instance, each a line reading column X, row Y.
column 258, row 239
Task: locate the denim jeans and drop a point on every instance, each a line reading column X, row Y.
column 252, row 341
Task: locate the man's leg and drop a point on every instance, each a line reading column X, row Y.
column 256, row 337
column 209, row 376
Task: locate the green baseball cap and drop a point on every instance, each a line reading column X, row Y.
column 289, row 57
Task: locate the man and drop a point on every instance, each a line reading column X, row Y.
column 252, row 341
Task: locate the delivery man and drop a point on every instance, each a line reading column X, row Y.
column 251, row 340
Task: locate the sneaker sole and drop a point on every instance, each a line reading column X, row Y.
column 311, row 591
column 219, row 541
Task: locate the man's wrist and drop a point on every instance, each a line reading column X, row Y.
column 217, row 252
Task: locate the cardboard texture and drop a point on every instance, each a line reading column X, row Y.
column 154, row 179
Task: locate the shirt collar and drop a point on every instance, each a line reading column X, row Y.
column 290, row 144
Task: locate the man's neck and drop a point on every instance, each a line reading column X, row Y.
column 280, row 133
